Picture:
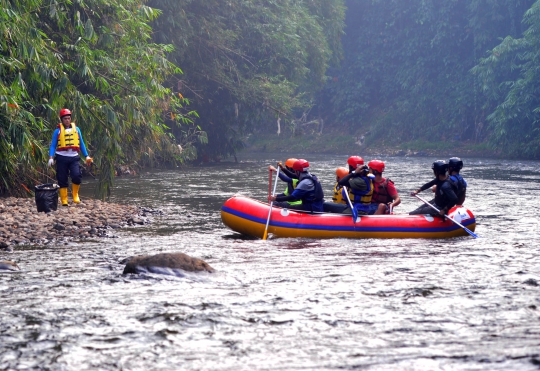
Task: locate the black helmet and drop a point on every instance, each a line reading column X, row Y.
column 440, row 167
column 455, row 163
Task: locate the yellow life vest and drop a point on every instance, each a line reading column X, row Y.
column 68, row 140
column 286, row 192
column 338, row 196
column 361, row 197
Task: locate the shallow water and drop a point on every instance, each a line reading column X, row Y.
column 285, row 304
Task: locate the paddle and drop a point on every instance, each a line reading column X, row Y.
column 353, row 209
column 265, row 235
column 454, row 221
column 269, row 182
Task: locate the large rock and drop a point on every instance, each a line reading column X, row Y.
column 7, row 265
column 166, row 263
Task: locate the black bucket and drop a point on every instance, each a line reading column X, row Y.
column 46, row 197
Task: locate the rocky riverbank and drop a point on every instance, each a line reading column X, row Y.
column 21, row 224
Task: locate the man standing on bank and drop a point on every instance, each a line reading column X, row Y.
column 66, row 143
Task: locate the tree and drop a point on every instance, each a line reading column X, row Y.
column 96, row 58
column 406, row 69
column 510, row 80
column 249, row 63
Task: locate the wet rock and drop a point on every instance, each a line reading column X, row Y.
column 7, row 265
column 172, row 261
column 137, row 221
column 531, row 281
column 5, row 246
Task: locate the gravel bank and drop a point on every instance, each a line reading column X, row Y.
column 21, row 224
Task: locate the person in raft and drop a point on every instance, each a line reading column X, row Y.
column 308, row 190
column 359, row 185
column 66, row 143
column 385, row 196
column 445, row 192
column 338, row 204
column 287, row 175
column 454, row 166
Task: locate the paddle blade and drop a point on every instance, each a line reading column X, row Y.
column 265, row 235
column 470, row 232
column 354, row 214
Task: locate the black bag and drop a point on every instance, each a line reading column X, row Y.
column 46, row 197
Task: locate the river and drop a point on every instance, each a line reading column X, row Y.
column 285, row 304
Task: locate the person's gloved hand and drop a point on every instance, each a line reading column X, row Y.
column 89, row 160
column 51, row 162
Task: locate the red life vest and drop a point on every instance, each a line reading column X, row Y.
column 380, row 192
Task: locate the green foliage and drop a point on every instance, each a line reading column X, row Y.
column 406, row 69
column 510, row 80
column 97, row 58
column 249, row 62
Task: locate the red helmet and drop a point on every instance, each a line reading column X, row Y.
column 354, row 161
column 290, row 162
column 376, row 165
column 341, row 172
column 65, row 112
column 301, row 165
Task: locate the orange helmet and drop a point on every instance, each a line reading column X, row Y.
column 65, row 112
column 290, row 162
column 376, row 165
column 301, row 165
column 341, row 172
column 354, row 161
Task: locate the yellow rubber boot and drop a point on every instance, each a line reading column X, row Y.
column 75, row 193
column 63, row 196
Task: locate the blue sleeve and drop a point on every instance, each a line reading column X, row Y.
column 289, row 173
column 299, row 193
column 295, row 196
column 284, row 177
column 54, row 143
column 81, row 141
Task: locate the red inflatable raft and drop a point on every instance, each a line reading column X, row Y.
column 248, row 216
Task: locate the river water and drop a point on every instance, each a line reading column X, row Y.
column 285, row 304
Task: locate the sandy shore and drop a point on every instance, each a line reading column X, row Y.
column 21, row 224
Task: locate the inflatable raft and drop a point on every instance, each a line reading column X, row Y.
column 248, row 216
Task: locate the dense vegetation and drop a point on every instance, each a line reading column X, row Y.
column 396, row 70
column 96, row 58
column 409, row 72
column 250, row 63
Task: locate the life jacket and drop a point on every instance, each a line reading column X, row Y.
column 317, row 194
column 380, row 192
column 338, row 197
column 289, row 190
column 362, row 199
column 440, row 197
column 68, row 140
column 460, row 186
